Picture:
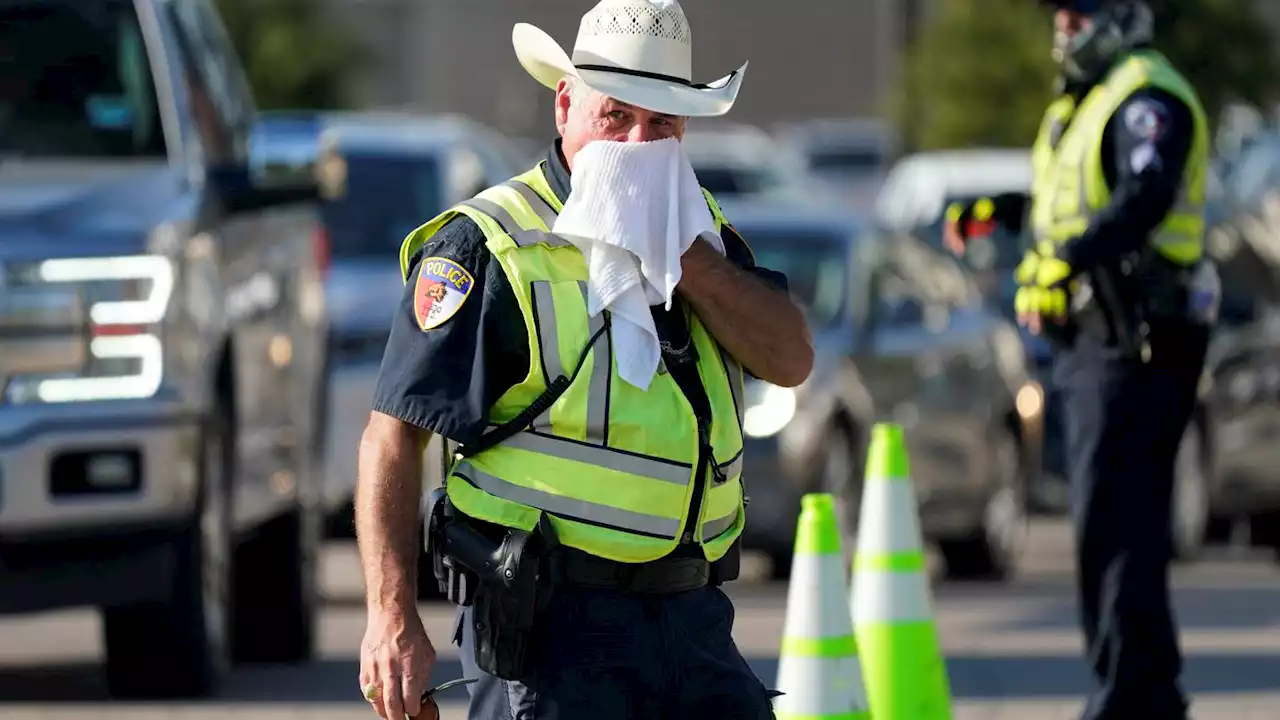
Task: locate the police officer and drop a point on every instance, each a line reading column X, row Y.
column 1116, row 279
column 632, row 498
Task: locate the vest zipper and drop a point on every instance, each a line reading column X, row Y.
column 705, row 458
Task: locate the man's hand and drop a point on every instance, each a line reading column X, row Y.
column 963, row 224
column 396, row 657
column 1043, row 293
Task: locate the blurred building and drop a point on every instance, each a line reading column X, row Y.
column 811, row 58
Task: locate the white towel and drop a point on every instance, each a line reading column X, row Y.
column 634, row 209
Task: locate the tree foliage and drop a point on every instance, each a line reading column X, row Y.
column 980, row 73
column 295, row 58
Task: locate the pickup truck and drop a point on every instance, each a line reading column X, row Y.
column 162, row 350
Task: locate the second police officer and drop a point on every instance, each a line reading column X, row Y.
column 1116, row 279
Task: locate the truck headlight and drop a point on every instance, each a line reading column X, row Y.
column 769, row 409
column 104, row 340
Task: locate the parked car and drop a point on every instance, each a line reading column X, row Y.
column 1239, row 421
column 852, row 154
column 161, row 344
column 399, row 172
column 901, row 336
column 914, row 200
column 739, row 161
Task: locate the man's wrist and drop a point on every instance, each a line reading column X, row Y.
column 697, row 263
column 395, row 605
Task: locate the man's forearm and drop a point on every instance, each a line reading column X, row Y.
column 388, row 498
column 1123, row 227
column 759, row 325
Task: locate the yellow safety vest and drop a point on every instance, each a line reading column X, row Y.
column 613, row 467
column 1069, row 187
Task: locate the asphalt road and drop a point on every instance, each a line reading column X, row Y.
column 1013, row 651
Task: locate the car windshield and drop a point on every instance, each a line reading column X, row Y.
column 729, row 180
column 386, row 197
column 75, row 81
column 838, row 161
column 814, row 261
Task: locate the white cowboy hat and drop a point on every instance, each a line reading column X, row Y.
column 636, row 51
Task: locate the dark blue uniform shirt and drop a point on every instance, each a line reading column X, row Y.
column 445, row 379
column 1145, row 147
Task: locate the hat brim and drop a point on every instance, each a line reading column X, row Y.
column 543, row 58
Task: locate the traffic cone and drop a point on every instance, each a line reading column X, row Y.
column 892, row 608
column 818, row 672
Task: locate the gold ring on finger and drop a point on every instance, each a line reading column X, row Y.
column 372, row 692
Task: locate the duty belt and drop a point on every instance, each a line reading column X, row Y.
column 659, row 577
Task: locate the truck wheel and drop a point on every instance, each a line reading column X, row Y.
column 277, row 597
column 179, row 647
column 995, row 548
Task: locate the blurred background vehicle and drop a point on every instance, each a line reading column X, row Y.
column 399, row 172
column 1241, row 393
column 161, row 343
column 734, row 161
column 913, row 202
column 901, row 336
column 853, row 155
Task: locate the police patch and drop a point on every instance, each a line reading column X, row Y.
column 1145, row 156
column 1146, row 119
column 442, row 286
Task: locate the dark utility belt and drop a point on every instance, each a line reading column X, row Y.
column 508, row 576
column 659, row 577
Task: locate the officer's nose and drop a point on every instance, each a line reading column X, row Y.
column 643, row 132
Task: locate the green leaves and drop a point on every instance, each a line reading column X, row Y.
column 980, row 74
column 294, row 57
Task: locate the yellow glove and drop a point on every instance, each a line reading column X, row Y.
column 1046, row 302
column 1043, row 280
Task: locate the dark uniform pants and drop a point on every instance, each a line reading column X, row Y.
column 603, row 655
column 1125, row 420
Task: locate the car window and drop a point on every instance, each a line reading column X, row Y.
column 1001, row 250
column 75, row 81
column 728, row 181
column 221, row 102
column 816, row 263
column 836, row 160
column 386, row 197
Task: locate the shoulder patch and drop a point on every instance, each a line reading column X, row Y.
column 442, row 286
column 1147, row 118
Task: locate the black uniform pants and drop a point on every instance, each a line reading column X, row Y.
column 607, row 655
column 1125, row 420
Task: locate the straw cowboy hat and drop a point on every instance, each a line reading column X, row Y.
column 636, row 51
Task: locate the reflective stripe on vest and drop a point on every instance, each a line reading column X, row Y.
column 600, row 473
column 598, row 456
column 1070, row 186
column 598, row 395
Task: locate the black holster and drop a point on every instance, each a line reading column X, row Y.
column 499, row 578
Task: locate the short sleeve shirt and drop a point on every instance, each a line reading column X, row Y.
column 444, row 379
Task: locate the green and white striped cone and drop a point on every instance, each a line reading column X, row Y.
column 892, row 608
column 818, row 671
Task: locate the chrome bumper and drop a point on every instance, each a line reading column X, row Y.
column 84, row 468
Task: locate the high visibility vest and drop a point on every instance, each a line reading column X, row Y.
column 1069, row 186
column 614, row 468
